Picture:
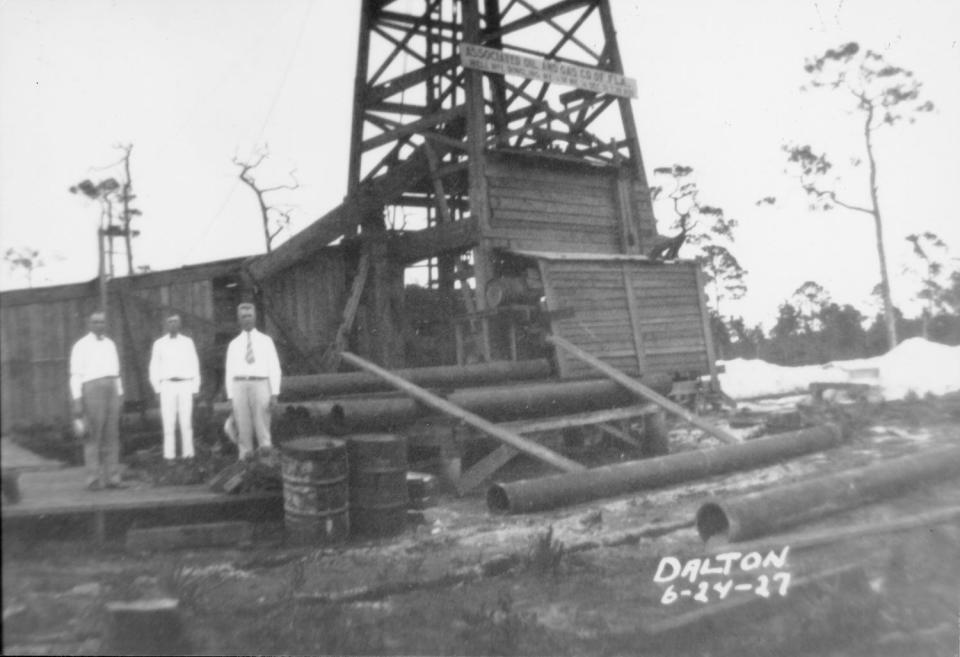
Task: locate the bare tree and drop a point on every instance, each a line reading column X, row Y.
column 125, row 195
column 884, row 95
column 706, row 230
column 274, row 218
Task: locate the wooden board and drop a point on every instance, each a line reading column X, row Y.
column 62, row 492
column 628, row 309
column 553, row 208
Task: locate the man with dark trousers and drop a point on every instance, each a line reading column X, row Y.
column 97, row 392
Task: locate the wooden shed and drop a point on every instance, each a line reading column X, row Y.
column 641, row 316
column 38, row 326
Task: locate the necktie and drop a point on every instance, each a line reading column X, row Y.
column 249, row 356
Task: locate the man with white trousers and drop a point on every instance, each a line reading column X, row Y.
column 175, row 377
column 252, row 382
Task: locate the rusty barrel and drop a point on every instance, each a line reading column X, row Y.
column 378, row 484
column 315, row 490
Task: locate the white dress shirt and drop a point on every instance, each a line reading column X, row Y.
column 174, row 358
column 266, row 363
column 92, row 358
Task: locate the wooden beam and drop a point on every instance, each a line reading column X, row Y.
column 359, row 94
column 578, row 419
column 416, row 21
column 442, row 238
column 398, row 108
column 619, row 434
column 403, row 82
column 349, row 312
column 568, row 34
column 442, row 405
column 438, row 191
column 554, row 10
column 371, row 195
column 504, row 453
column 707, row 333
column 641, row 390
column 485, row 467
column 413, row 127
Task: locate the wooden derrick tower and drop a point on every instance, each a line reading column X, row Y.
column 494, row 140
column 438, row 143
column 479, row 97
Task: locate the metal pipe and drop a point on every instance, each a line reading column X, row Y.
column 388, row 411
column 767, row 511
column 314, row 385
column 562, row 490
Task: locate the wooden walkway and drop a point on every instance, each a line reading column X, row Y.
column 14, row 457
column 62, row 493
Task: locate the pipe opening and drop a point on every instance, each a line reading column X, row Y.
column 712, row 521
column 497, row 499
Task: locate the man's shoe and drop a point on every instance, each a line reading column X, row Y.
column 94, row 485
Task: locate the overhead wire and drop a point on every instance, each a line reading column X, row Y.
column 273, row 103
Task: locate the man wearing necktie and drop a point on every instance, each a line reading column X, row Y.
column 97, row 393
column 252, row 381
column 175, row 377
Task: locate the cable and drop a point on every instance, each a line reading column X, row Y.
column 276, row 96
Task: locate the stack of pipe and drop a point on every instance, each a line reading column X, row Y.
column 356, row 402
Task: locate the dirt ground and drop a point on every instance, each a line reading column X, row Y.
column 575, row 581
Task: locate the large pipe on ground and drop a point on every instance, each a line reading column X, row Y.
column 767, row 511
column 386, row 411
column 315, row 385
column 565, row 489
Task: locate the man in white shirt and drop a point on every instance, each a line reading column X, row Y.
column 175, row 377
column 97, row 392
column 252, row 381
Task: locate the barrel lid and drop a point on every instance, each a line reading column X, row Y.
column 312, row 444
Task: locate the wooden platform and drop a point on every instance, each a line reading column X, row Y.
column 61, row 493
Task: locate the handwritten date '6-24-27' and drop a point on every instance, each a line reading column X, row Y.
column 716, row 578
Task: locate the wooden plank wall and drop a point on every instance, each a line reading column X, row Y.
column 310, row 296
column 34, row 357
column 39, row 328
column 636, row 316
column 552, row 209
column 537, row 203
column 671, row 317
column 602, row 325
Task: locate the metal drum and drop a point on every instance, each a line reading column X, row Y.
column 378, row 484
column 315, row 490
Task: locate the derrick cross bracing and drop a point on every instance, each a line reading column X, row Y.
column 454, row 101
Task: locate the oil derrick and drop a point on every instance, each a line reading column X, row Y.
column 482, row 126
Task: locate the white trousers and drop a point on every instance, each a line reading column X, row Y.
column 176, row 402
column 251, row 412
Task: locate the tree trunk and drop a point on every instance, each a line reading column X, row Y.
column 888, row 315
column 127, row 237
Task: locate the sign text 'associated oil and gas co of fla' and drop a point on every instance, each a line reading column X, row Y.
column 582, row 77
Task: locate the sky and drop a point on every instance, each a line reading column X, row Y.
column 194, row 83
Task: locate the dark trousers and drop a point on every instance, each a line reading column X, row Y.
column 101, row 449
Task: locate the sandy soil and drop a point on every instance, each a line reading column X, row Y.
column 576, row 581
